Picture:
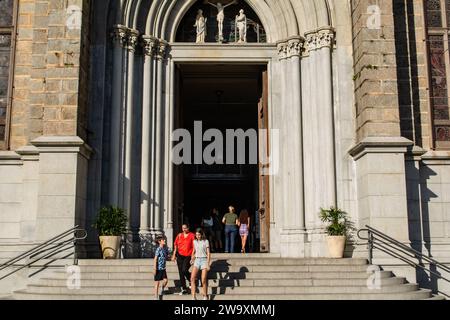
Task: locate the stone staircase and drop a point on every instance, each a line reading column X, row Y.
column 232, row 277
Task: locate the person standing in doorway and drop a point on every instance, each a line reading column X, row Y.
column 231, row 222
column 161, row 256
column 182, row 252
column 244, row 227
column 217, row 231
column 207, row 225
column 201, row 259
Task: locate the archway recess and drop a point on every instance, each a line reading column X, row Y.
column 281, row 19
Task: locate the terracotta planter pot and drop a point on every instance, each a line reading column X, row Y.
column 110, row 246
column 336, row 246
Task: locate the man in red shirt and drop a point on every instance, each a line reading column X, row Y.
column 182, row 252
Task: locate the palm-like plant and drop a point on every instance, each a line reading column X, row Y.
column 337, row 220
column 111, row 221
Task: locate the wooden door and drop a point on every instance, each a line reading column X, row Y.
column 264, row 178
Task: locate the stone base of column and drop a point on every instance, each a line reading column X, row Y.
column 292, row 242
column 148, row 244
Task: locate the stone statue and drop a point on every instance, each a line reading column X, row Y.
column 220, row 15
column 200, row 24
column 241, row 22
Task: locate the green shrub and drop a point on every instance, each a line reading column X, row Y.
column 338, row 223
column 111, row 221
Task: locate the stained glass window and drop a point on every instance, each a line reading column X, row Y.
column 438, row 22
column 7, row 8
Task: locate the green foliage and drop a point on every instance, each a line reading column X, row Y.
column 111, row 221
column 338, row 224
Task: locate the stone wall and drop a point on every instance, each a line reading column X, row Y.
column 47, row 70
column 375, row 69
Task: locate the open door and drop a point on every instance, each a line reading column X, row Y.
column 264, row 152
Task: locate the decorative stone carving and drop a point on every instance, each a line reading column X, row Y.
column 132, row 39
column 200, row 24
column 290, row 48
column 241, row 22
column 319, row 39
column 149, row 45
column 295, row 47
column 162, row 50
column 119, row 35
column 282, row 50
column 220, row 16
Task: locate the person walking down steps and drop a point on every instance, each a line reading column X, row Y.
column 161, row 257
column 201, row 259
column 182, row 252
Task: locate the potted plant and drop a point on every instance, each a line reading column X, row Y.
column 111, row 223
column 337, row 228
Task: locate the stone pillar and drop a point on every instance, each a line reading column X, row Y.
column 382, row 195
column 115, row 156
column 292, row 233
column 160, row 135
column 149, row 45
column 62, row 184
column 132, row 37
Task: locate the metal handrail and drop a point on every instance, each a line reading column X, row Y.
column 381, row 241
column 48, row 249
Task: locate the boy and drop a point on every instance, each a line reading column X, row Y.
column 161, row 256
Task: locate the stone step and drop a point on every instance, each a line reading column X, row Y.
column 223, row 275
column 235, row 268
column 414, row 295
column 148, row 283
column 275, row 290
column 239, row 261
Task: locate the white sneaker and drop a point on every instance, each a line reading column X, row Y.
column 205, row 298
column 194, row 298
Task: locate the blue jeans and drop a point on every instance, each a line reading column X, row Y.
column 230, row 237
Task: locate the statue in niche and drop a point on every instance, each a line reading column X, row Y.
column 200, row 24
column 220, row 15
column 241, row 22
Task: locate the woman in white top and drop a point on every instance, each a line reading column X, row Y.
column 201, row 259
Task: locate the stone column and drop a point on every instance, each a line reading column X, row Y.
column 132, row 37
column 292, row 233
column 149, row 45
column 119, row 37
column 160, row 135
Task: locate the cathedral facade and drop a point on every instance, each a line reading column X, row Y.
column 347, row 99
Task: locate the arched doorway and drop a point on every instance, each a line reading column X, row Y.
column 141, row 112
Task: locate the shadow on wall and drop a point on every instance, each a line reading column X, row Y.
column 419, row 197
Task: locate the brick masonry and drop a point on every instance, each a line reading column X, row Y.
column 46, row 97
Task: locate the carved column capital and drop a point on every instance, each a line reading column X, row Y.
column 132, row 39
column 282, row 48
column 162, row 49
column 149, row 45
column 119, row 35
column 295, row 47
column 325, row 38
column 318, row 39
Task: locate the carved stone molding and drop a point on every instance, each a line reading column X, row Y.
column 295, row 47
column 291, row 48
column 318, row 39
